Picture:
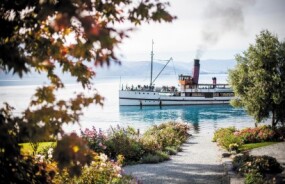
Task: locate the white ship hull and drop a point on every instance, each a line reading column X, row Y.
column 150, row 98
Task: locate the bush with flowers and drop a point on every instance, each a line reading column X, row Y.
column 258, row 134
column 170, row 134
column 124, row 141
column 222, row 132
column 95, row 139
column 247, row 165
column 155, row 144
column 101, row 170
column 226, row 138
column 230, row 138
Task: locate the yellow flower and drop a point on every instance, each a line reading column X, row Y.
column 75, row 149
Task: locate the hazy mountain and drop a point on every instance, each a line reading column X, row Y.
column 142, row 69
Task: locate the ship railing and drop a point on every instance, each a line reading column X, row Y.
column 137, row 88
column 164, row 89
column 213, row 86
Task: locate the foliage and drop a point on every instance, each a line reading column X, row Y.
column 69, row 36
column 233, row 140
column 262, row 164
column 230, row 142
column 258, row 134
column 226, row 138
column 26, row 148
column 222, row 131
column 168, row 134
column 156, row 157
column 150, row 143
column 96, row 140
column 254, row 178
column 153, row 146
column 72, row 153
column 171, row 150
column 281, row 133
column 259, row 79
column 101, row 170
column 124, row 141
column 16, row 168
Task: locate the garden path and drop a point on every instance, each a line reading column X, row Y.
column 200, row 162
column 276, row 150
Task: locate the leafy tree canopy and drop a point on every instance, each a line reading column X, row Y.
column 35, row 35
column 259, row 79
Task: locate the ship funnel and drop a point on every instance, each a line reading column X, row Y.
column 214, row 82
column 196, row 71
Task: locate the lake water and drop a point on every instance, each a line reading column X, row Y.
column 204, row 118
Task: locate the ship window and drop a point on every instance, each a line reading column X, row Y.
column 139, row 93
column 147, row 93
column 153, row 93
column 208, row 95
column 143, row 93
column 188, row 94
column 226, row 94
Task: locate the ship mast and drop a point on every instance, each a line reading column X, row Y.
column 151, row 64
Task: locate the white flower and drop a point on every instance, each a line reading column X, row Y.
column 103, row 157
column 117, row 168
column 40, row 158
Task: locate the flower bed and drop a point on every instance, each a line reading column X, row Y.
column 153, row 146
column 232, row 139
column 258, row 134
column 102, row 159
column 255, row 168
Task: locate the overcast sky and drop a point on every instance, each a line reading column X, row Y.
column 217, row 29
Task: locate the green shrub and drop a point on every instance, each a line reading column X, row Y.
column 226, row 138
column 155, row 157
column 262, row 164
column 171, row 150
column 229, row 141
column 281, row 133
column 164, row 156
column 154, row 144
column 151, row 159
column 121, row 141
column 254, row 178
column 222, row 132
column 179, row 149
column 151, row 143
column 167, row 135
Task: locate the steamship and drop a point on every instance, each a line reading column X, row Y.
column 190, row 92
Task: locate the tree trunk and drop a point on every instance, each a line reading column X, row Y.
column 273, row 119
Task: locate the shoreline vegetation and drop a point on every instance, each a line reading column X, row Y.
column 113, row 149
column 254, row 169
column 118, row 147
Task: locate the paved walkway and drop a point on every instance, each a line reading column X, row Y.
column 276, row 150
column 198, row 163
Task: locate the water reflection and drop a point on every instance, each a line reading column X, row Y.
column 205, row 117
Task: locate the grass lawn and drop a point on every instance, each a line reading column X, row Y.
column 27, row 148
column 250, row 146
